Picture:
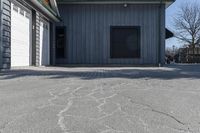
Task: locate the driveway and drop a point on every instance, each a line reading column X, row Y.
column 101, row 100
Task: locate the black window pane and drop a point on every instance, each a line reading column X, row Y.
column 60, row 42
column 125, row 42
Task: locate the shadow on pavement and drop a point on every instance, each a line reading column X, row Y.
column 165, row 73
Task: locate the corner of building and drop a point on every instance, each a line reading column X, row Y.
column 1, row 48
column 5, row 32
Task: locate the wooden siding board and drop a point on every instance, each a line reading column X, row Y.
column 5, row 34
column 6, row 12
column 6, row 2
column 1, row 45
column 6, row 6
column 88, row 31
column 6, row 27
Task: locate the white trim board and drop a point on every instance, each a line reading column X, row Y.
column 117, row 2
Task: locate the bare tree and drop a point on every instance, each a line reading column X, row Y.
column 187, row 24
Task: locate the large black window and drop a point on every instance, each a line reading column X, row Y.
column 125, row 42
column 60, row 42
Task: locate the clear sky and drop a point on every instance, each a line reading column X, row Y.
column 170, row 13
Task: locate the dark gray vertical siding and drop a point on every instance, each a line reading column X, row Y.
column 163, row 35
column 5, row 34
column 52, row 46
column 34, row 37
column 88, row 31
column 83, row 37
column 86, row 34
column 78, row 35
column 104, row 59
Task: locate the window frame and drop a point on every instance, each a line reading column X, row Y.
column 22, row 11
column 138, row 28
column 15, row 8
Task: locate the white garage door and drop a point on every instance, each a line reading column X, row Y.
column 20, row 35
column 44, row 43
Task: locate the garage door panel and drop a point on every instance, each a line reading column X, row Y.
column 21, row 25
column 23, row 30
column 20, row 52
column 20, row 36
column 17, row 24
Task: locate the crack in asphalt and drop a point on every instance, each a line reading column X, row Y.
column 111, row 89
column 61, row 117
column 70, row 103
column 165, row 114
column 157, row 111
column 103, row 101
column 168, row 115
column 60, row 114
column 174, row 118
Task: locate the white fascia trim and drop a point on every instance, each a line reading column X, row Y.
column 55, row 7
column 113, row 2
column 117, row 2
column 169, row 4
column 38, row 4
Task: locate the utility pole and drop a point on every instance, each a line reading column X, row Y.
column 173, row 47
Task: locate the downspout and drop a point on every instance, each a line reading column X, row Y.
column 160, row 33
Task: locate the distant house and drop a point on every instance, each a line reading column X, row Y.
column 189, row 55
column 91, row 32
